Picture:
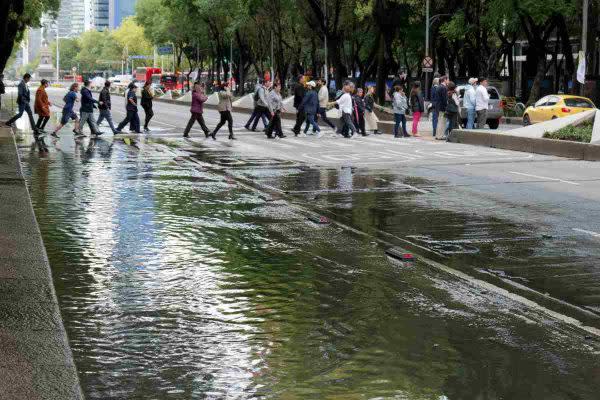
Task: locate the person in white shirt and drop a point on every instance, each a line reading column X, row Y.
column 323, row 100
column 482, row 101
column 345, row 105
column 469, row 101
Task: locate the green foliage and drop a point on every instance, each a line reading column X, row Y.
column 575, row 133
column 69, row 48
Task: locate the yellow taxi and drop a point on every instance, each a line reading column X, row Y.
column 556, row 106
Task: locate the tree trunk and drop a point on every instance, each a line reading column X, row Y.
column 535, row 92
column 381, row 71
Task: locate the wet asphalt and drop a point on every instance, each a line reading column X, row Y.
column 506, row 273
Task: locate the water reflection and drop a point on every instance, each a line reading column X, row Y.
column 177, row 283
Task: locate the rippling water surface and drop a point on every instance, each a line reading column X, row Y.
column 175, row 282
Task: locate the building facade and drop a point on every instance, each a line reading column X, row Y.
column 119, row 10
column 97, row 15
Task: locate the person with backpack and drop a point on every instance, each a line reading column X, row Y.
column 41, row 106
column 197, row 110
column 224, row 107
column 256, row 111
column 67, row 112
column 417, row 106
column 104, row 107
column 147, row 96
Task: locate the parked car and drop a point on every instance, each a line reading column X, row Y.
column 555, row 106
column 494, row 109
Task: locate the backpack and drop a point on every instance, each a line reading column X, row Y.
column 256, row 95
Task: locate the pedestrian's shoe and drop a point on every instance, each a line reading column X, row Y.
column 296, row 133
column 213, row 135
column 98, row 133
column 117, row 131
column 75, row 131
column 247, row 127
column 207, row 134
column 376, row 132
column 231, row 137
column 54, row 135
column 185, row 135
column 270, row 137
column 146, row 129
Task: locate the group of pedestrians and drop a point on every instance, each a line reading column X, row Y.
column 445, row 101
column 86, row 112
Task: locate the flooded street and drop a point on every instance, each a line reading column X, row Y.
column 186, row 271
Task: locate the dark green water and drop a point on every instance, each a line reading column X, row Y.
column 176, row 282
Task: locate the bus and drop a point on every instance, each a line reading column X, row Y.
column 143, row 74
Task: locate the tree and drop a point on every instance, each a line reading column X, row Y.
column 68, row 48
column 15, row 17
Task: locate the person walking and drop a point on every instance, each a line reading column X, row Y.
column 67, row 112
column 323, row 95
column 441, row 102
column 276, row 102
column 41, row 106
column 370, row 117
column 399, row 106
column 263, row 109
column 482, row 102
column 132, row 118
column 452, row 109
column 417, row 106
column 469, row 102
column 104, row 107
column 255, row 112
column 310, row 106
column 147, row 96
column 299, row 91
column 344, row 102
column 197, row 110
column 359, row 111
column 23, row 100
column 88, row 103
column 2, row 89
column 224, row 107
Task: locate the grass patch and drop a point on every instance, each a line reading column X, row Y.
column 580, row 133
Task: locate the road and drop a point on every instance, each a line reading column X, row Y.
column 509, row 238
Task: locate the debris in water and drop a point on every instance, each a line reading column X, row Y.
column 319, row 219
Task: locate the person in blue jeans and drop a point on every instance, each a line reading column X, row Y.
column 310, row 106
column 469, row 103
column 399, row 106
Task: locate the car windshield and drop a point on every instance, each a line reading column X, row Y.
column 494, row 95
column 578, row 102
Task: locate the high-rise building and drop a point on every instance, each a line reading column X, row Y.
column 119, row 10
column 64, row 19
column 77, row 17
column 96, row 14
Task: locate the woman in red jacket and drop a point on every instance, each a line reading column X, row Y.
column 198, row 100
column 42, row 106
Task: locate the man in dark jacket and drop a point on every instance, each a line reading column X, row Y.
column 359, row 111
column 132, row 118
column 23, row 100
column 299, row 91
column 105, row 107
column 310, row 106
column 440, row 100
column 87, row 110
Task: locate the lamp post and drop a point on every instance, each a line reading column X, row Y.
column 584, row 31
column 326, row 76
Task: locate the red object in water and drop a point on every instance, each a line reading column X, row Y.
column 408, row 257
column 323, row 220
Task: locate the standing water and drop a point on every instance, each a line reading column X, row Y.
column 176, row 282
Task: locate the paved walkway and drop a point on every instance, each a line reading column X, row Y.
column 35, row 358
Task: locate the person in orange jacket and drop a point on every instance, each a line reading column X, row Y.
column 42, row 106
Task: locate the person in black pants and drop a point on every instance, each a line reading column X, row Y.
column 299, row 92
column 224, row 107
column 147, row 97
column 359, row 111
column 23, row 100
column 276, row 103
column 132, row 111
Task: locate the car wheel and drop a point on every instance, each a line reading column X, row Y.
column 526, row 120
column 554, row 117
column 493, row 123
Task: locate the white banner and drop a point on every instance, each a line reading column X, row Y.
column 581, row 68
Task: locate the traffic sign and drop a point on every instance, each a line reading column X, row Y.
column 163, row 50
column 140, row 57
column 427, row 62
column 427, row 70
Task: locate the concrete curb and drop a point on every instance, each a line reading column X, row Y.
column 35, row 357
column 559, row 148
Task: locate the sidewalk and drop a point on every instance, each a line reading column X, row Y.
column 35, row 357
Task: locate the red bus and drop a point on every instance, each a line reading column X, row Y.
column 143, row 74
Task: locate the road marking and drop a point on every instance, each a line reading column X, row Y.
column 592, row 233
column 544, row 177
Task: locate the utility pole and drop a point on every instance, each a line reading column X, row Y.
column 427, row 47
column 584, row 32
column 231, row 59
column 57, row 54
column 272, row 63
column 325, row 26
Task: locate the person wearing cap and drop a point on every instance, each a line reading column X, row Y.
column 469, row 103
column 310, row 106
